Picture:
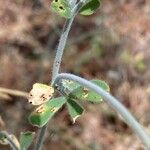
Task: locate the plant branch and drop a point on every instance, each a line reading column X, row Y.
column 41, row 137
column 13, row 92
column 56, row 66
column 63, row 39
column 61, row 46
column 57, row 62
column 10, row 141
column 113, row 102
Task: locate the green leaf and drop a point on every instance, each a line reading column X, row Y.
column 71, row 85
column 26, row 140
column 41, row 115
column 75, row 110
column 84, row 94
column 90, row 7
column 62, row 8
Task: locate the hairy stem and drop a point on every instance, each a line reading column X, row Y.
column 113, row 102
column 63, row 39
column 57, row 62
column 10, row 141
column 61, row 46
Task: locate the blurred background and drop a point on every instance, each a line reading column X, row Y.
column 113, row 45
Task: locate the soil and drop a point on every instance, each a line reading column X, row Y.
column 112, row 45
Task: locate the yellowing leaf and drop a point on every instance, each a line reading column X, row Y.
column 41, row 115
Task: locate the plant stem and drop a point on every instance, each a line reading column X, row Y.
column 60, row 48
column 57, row 62
column 56, row 66
column 41, row 136
column 10, row 141
column 113, row 102
column 14, row 92
column 63, row 39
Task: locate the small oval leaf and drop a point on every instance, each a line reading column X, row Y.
column 26, row 140
column 41, row 115
column 71, row 85
column 84, row 94
column 75, row 110
column 61, row 7
column 90, row 7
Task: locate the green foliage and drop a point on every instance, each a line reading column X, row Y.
column 90, row 7
column 41, row 115
column 79, row 92
column 74, row 109
column 61, row 7
column 70, row 84
column 26, row 140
